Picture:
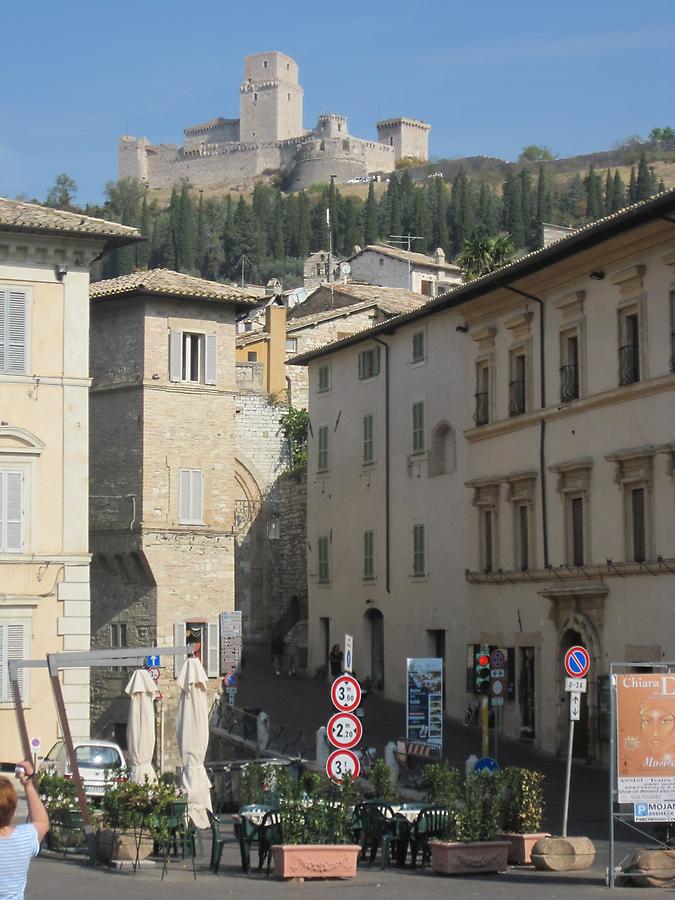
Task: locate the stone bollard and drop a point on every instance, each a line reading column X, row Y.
column 391, row 761
column 262, row 732
column 563, row 854
column 470, row 764
column 322, row 748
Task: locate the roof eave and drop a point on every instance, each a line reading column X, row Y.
column 108, row 240
column 239, row 303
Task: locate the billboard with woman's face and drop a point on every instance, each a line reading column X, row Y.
column 645, row 715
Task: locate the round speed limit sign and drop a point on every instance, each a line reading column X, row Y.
column 344, row 730
column 342, row 763
column 345, row 693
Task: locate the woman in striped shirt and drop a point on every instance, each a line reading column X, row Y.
column 19, row 843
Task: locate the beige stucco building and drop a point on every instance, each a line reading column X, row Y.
column 161, row 476
column 387, row 266
column 498, row 467
column 45, row 256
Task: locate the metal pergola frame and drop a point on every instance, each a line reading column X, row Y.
column 77, row 660
column 615, row 814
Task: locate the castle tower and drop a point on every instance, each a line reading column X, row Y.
column 408, row 137
column 271, row 99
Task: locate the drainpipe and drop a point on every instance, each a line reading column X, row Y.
column 542, row 423
column 387, row 513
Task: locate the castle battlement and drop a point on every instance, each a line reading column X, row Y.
column 269, row 136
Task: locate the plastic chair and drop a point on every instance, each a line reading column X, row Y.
column 246, row 832
column 270, row 832
column 432, row 822
column 380, row 828
column 218, row 841
column 181, row 830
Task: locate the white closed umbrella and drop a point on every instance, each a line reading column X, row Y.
column 192, row 734
column 141, row 727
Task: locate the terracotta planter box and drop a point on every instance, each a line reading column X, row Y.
column 315, row 860
column 520, row 846
column 120, row 846
column 456, row 858
column 652, row 868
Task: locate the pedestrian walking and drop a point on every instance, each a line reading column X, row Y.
column 277, row 649
column 291, row 644
column 335, row 660
column 19, row 843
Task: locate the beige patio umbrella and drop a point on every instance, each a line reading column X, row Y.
column 141, row 727
column 192, row 734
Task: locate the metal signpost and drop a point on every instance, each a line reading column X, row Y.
column 424, row 701
column 344, row 730
column 345, row 692
column 498, row 687
column 342, row 763
column 577, row 663
column 642, row 749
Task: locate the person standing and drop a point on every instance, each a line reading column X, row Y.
column 19, row 843
column 291, row 644
column 277, row 649
column 335, row 660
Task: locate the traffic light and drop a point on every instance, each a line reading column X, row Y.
column 482, row 669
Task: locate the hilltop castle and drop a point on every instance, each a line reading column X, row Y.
column 268, row 136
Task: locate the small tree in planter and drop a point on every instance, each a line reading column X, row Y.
column 442, row 785
column 521, row 811
column 471, row 846
column 65, row 820
column 134, row 818
column 380, row 777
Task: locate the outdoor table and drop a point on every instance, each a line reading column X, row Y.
column 255, row 814
column 409, row 811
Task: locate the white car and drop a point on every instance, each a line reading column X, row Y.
column 100, row 763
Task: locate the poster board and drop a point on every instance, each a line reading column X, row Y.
column 424, row 700
column 230, row 641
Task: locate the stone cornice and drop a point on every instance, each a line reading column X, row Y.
column 571, row 305
column 630, row 281
column 485, row 337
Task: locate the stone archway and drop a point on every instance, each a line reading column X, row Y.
column 248, row 549
column 578, row 614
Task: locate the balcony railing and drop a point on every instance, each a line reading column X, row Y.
column 516, row 398
column 569, row 382
column 629, row 364
column 481, row 415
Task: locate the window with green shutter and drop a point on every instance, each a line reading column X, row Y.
column 368, row 554
column 322, row 454
column 419, row 550
column 368, row 440
column 418, row 426
column 418, row 348
column 369, row 363
column 324, row 566
column 324, row 378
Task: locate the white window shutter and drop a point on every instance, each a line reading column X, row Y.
column 3, row 307
column 176, row 356
column 3, row 524
column 13, row 529
column 213, row 650
column 12, row 646
column 179, row 640
column 184, row 496
column 15, row 337
column 196, row 491
column 211, row 363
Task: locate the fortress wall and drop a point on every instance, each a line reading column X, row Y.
column 379, row 157
column 319, row 166
column 224, row 132
column 228, row 169
column 132, row 158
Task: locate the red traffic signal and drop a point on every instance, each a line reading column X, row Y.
column 483, row 659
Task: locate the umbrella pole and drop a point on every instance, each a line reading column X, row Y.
column 161, row 736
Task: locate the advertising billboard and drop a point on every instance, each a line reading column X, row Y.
column 424, row 706
column 645, row 721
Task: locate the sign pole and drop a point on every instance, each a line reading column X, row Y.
column 568, row 777
column 485, row 725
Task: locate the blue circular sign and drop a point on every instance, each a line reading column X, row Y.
column 230, row 680
column 486, row 764
column 577, row 662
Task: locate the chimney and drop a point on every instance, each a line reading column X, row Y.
column 439, row 256
column 275, row 327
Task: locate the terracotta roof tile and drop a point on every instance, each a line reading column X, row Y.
column 422, row 259
column 15, row 215
column 168, row 283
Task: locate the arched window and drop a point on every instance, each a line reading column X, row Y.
column 442, row 455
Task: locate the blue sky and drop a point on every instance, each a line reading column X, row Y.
column 490, row 77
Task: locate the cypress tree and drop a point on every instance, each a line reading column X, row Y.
column 513, row 209
column 304, row 230
column 618, row 193
column 594, row 203
column 143, row 249
column 487, row 211
column 370, row 222
column 643, row 186
column 632, row 186
column 609, row 190
column 395, row 225
column 278, row 228
column 200, row 236
column 438, row 195
column 351, row 228
column 421, row 222
column 527, row 215
column 407, row 197
column 544, row 208
column 186, row 232
column 171, row 253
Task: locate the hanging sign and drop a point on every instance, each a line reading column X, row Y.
column 348, row 661
column 345, row 693
column 230, row 641
column 342, row 763
column 424, row 696
column 645, row 740
column 344, row 730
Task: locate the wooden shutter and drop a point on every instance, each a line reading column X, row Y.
column 3, row 336
column 184, row 496
column 12, row 499
column 376, row 360
column 196, row 511
column 12, row 646
column 176, row 356
column 178, row 641
column 213, row 650
column 16, row 333
column 210, row 365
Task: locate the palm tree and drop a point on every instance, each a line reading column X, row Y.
column 480, row 255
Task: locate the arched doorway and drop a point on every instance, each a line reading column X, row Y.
column 375, row 638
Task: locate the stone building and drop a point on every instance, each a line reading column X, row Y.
column 162, row 476
column 269, row 137
column 45, row 256
column 388, row 266
column 497, row 467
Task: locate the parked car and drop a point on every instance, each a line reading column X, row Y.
column 99, row 762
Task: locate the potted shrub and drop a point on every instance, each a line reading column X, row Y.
column 380, row 778
column 315, row 827
column 521, row 811
column 471, row 847
column 66, row 831
column 133, row 819
column 442, row 785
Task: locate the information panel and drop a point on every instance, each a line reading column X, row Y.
column 645, row 718
column 424, row 701
column 230, row 641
